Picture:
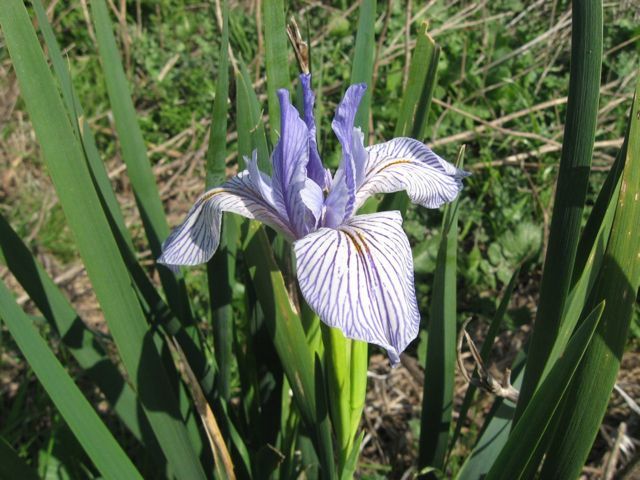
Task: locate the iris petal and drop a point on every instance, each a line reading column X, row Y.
column 315, row 170
column 407, row 164
column 290, row 159
column 359, row 278
column 198, row 237
column 341, row 199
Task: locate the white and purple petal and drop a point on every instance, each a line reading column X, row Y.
column 407, row 164
column 197, row 238
column 291, row 154
column 290, row 159
column 315, row 169
column 340, row 203
column 359, row 278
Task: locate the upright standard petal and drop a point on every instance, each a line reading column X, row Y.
column 290, row 159
column 198, row 237
column 315, row 169
column 291, row 154
column 359, row 278
column 340, row 204
column 407, row 164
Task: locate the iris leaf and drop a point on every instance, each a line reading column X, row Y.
column 516, row 456
column 571, row 188
column 95, row 438
column 66, row 165
column 617, row 284
column 277, row 62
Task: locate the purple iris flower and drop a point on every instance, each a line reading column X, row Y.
column 355, row 271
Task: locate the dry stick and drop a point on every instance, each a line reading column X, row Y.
column 531, row 136
column 407, row 50
column 564, row 21
column 376, row 62
column 381, row 39
column 614, row 455
column 556, row 49
column 622, row 45
column 471, row 134
column 87, row 20
column 394, row 50
column 485, row 380
column 216, row 441
column 392, row 45
column 399, row 51
column 524, row 13
column 344, row 14
column 518, row 157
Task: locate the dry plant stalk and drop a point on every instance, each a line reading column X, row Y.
column 218, row 448
column 485, row 380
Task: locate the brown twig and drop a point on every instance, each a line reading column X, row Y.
column 300, row 47
column 485, row 380
column 221, row 456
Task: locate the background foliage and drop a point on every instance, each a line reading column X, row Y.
column 501, row 90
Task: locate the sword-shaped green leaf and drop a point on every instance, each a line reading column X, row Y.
column 93, row 435
column 82, row 342
column 363, row 56
column 277, row 62
column 66, row 164
column 571, row 189
column 416, row 102
column 134, row 154
column 437, row 402
column 617, row 284
column 516, row 456
column 221, row 268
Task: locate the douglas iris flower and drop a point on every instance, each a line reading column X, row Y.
column 355, row 271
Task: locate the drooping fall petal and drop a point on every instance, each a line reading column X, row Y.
column 198, row 237
column 407, row 164
column 359, row 278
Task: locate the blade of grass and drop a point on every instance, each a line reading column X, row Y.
column 437, row 399
column 515, row 457
column 251, row 132
column 416, row 102
column 66, row 165
column 12, row 465
column 134, row 154
column 617, row 284
column 277, row 62
column 86, row 348
column 221, row 268
column 363, row 56
column 157, row 309
column 571, row 189
column 289, row 339
column 95, row 438
column 80, row 125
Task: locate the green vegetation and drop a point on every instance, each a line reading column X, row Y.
column 495, row 78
